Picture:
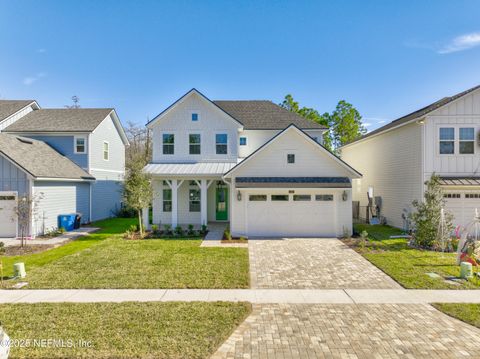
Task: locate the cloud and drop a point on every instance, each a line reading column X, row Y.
column 27, row 81
column 41, row 51
column 461, row 43
column 376, row 120
column 367, row 124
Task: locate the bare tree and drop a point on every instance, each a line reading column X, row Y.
column 26, row 210
column 140, row 143
column 76, row 102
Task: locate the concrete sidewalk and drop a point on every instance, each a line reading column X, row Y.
column 67, row 236
column 256, row 296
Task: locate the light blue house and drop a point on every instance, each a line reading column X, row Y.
column 92, row 140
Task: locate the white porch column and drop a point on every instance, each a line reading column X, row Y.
column 174, row 186
column 145, row 218
column 203, row 201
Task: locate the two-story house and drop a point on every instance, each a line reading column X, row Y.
column 91, row 140
column 253, row 164
column 396, row 159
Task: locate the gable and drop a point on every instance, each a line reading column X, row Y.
column 468, row 105
column 178, row 115
column 311, row 159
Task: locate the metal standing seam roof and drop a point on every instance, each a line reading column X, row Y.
column 184, row 169
column 299, row 182
column 460, row 181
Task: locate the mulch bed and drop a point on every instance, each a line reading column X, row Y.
column 27, row 249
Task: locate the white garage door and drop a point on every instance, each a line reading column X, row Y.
column 8, row 224
column 290, row 215
column 462, row 205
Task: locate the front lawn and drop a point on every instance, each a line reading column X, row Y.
column 409, row 266
column 469, row 313
column 120, row 330
column 114, row 262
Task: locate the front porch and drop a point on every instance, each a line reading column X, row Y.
column 190, row 201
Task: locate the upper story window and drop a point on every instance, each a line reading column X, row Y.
column 80, row 145
column 467, row 140
column 221, row 143
column 243, row 141
column 168, row 143
column 106, row 151
column 447, row 140
column 194, row 116
column 194, row 141
column 290, row 158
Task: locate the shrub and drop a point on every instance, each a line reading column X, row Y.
column 203, row 230
column 426, row 217
column 227, row 235
column 190, row 230
column 168, row 229
column 178, row 231
column 155, row 228
column 133, row 228
column 243, row 238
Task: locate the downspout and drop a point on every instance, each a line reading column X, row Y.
column 90, row 184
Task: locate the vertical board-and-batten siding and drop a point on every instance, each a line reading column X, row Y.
column 13, row 118
column 391, row 163
column 12, row 178
column 211, row 121
column 464, row 112
column 109, row 174
column 60, row 198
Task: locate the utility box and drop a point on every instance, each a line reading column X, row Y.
column 466, row 270
column 19, row 270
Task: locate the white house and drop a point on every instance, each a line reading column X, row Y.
column 398, row 158
column 253, row 164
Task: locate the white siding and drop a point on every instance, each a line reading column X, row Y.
column 10, row 120
column 256, row 138
column 392, row 164
column 211, row 121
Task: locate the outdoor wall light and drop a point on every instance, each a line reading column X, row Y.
column 345, row 195
column 239, row 196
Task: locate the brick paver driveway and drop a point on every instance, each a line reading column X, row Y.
column 350, row 331
column 312, row 264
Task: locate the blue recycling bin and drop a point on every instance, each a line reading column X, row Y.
column 67, row 221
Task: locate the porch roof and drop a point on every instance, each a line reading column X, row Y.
column 189, row 169
column 460, row 181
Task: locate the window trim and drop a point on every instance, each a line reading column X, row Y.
column 168, row 144
column 240, row 141
column 221, row 144
column 199, row 144
column 288, row 158
column 75, row 138
column 190, row 201
column 460, row 141
column 194, row 113
column 166, row 200
column 440, row 141
column 108, row 150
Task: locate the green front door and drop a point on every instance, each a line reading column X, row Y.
column 221, row 204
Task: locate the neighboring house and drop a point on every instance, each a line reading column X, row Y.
column 92, row 139
column 253, row 164
column 32, row 167
column 397, row 159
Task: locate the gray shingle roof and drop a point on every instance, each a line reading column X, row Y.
column 9, row 107
column 264, row 115
column 39, row 159
column 419, row 113
column 60, row 120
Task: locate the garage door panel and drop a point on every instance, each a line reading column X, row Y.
column 291, row 218
column 462, row 205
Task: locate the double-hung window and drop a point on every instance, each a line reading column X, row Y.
column 447, row 140
column 466, row 140
column 194, row 141
column 80, row 145
column 221, row 143
column 194, row 200
column 167, row 200
column 168, row 143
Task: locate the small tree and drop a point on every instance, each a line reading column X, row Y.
column 427, row 216
column 26, row 211
column 137, row 189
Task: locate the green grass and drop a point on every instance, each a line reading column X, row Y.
column 469, row 313
column 409, row 266
column 106, row 260
column 123, row 330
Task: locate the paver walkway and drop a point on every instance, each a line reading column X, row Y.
column 350, row 331
column 311, row 264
